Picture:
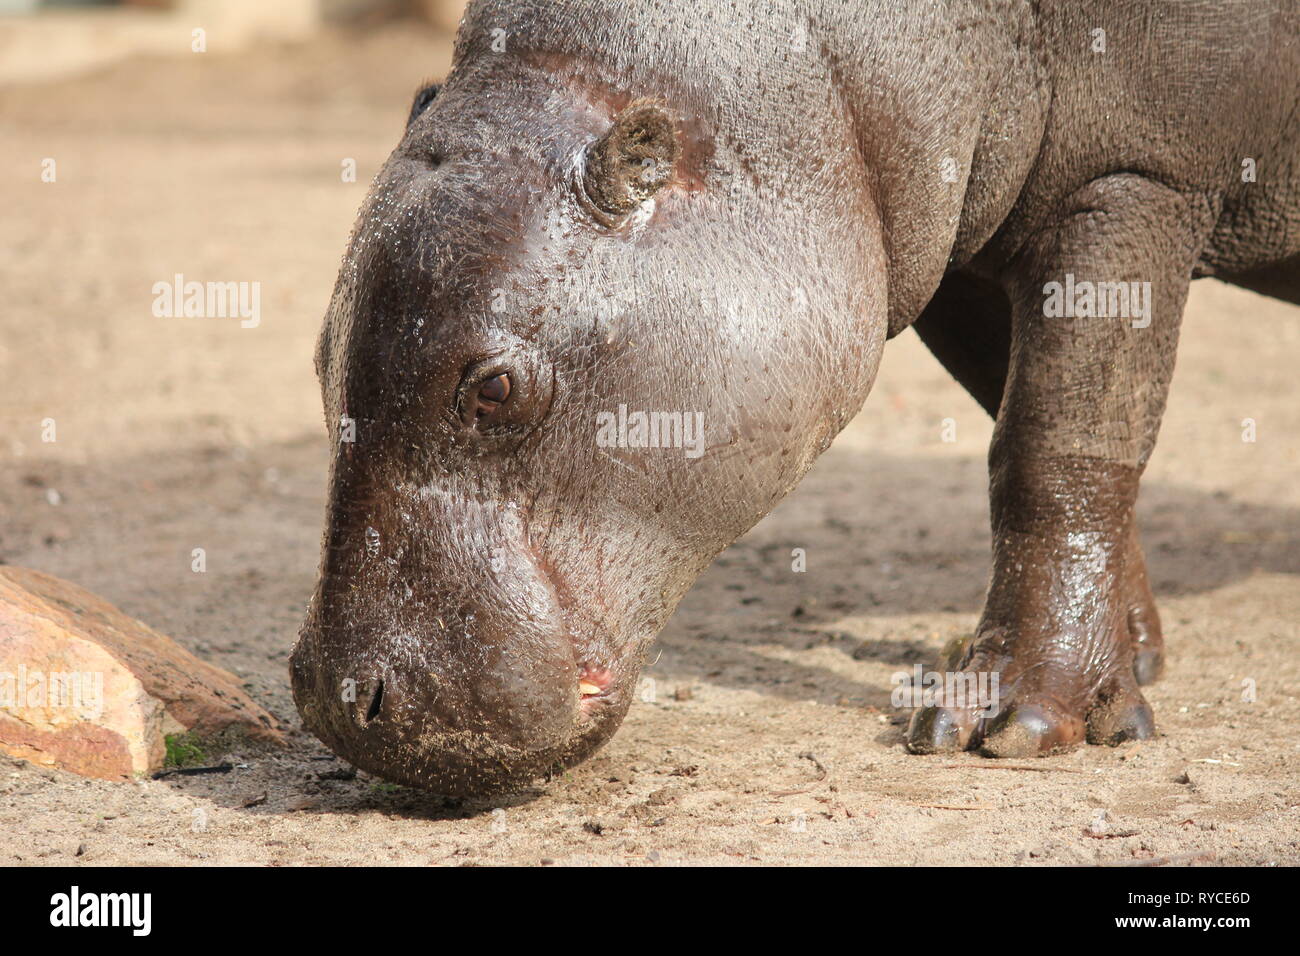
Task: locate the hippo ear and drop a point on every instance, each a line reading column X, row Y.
column 635, row 158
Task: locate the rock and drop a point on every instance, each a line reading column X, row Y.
column 85, row 688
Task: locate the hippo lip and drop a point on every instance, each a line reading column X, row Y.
column 594, row 685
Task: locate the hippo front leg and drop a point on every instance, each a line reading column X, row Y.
column 1068, row 602
column 967, row 326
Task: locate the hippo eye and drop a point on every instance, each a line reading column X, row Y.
column 480, row 400
column 494, row 391
column 423, row 97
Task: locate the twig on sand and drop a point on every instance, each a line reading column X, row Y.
column 952, row 806
column 821, row 768
column 1116, row 835
column 1010, row 766
column 193, row 771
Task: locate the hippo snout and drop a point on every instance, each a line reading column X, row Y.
column 405, row 710
column 441, row 662
column 403, row 714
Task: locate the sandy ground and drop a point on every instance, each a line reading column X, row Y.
column 770, row 737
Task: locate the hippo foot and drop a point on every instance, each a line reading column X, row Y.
column 1038, row 705
column 1048, row 688
column 1148, row 642
column 1143, row 620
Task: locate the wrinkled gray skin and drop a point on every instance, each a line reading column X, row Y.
column 480, row 568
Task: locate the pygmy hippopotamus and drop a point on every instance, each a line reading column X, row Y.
column 633, row 266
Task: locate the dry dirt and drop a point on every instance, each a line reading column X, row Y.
column 771, row 737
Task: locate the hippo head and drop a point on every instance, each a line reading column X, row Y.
column 584, row 336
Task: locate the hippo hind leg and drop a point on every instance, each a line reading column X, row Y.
column 1281, row 280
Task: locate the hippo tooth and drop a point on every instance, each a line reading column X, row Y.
column 586, row 689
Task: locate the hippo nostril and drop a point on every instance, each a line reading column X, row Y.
column 375, row 702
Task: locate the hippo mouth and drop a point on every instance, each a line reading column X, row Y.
column 594, row 686
column 410, row 731
column 492, row 677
